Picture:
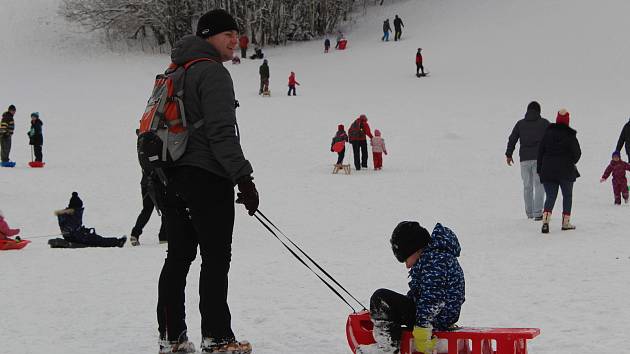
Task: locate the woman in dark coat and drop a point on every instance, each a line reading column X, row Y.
column 558, row 153
column 36, row 137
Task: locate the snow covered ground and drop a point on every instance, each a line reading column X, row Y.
column 446, row 135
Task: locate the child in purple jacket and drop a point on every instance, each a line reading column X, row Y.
column 618, row 168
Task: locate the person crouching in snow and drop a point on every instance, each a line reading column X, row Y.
column 292, row 83
column 378, row 149
column 618, row 168
column 339, row 137
column 436, row 292
column 5, row 231
column 72, row 229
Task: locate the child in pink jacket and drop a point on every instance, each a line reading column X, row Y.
column 5, row 230
column 378, row 148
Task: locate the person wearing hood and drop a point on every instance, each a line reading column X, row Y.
column 617, row 168
column 398, row 25
column 340, row 136
column 378, row 149
column 357, row 133
column 436, row 289
column 5, row 231
column 199, row 205
column 624, row 139
column 264, row 77
column 36, row 137
column 530, row 131
column 71, row 226
column 386, row 29
column 558, row 153
column 292, row 83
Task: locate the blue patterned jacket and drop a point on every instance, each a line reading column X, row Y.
column 437, row 281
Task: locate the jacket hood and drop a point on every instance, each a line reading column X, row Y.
column 532, row 115
column 190, row 48
column 443, row 239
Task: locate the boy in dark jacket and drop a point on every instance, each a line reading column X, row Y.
column 71, row 226
column 35, row 136
column 264, row 77
column 7, row 126
column 340, row 136
column 386, row 29
column 617, row 168
column 436, row 294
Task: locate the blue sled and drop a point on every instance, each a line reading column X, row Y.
column 7, row 164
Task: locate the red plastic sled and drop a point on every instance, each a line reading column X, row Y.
column 342, row 44
column 339, row 146
column 36, row 164
column 460, row 341
column 12, row 244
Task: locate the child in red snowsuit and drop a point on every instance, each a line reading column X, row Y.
column 292, row 83
column 617, row 168
column 5, row 230
column 378, row 148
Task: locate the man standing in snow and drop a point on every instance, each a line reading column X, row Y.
column 7, row 126
column 398, row 25
column 624, row 138
column 199, row 204
column 530, row 130
column 357, row 132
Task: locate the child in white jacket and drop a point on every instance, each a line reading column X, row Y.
column 378, row 148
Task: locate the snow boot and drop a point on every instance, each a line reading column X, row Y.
column 134, row 241
column 176, row 347
column 121, row 241
column 566, row 222
column 545, row 219
column 231, row 346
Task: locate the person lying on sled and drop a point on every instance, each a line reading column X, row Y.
column 436, row 290
column 71, row 226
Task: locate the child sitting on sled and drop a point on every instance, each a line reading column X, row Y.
column 618, row 168
column 436, row 290
column 5, row 231
column 339, row 139
column 71, row 226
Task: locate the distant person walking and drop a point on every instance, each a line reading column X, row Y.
column 398, row 25
column 357, row 133
column 7, row 126
column 326, row 45
column 243, row 42
column 264, row 77
column 148, row 184
column 624, row 139
column 386, row 29
column 530, row 131
column 558, row 153
column 419, row 65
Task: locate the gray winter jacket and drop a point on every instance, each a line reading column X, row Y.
column 530, row 130
column 209, row 96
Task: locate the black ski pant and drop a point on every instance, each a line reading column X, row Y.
column 360, row 152
column 199, row 211
column 5, row 147
column 145, row 215
column 397, row 34
column 244, row 53
column 390, row 311
column 37, row 149
column 418, row 68
column 340, row 156
column 90, row 238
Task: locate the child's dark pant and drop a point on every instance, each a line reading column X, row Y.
column 392, row 310
column 620, row 188
column 340, row 156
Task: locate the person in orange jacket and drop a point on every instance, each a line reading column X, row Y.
column 243, row 42
column 292, row 83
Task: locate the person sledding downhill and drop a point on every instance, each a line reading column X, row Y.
column 6, row 232
column 357, row 133
column 617, row 168
column 436, row 295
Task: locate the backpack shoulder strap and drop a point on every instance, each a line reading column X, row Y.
column 195, row 61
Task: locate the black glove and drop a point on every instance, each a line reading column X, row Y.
column 247, row 195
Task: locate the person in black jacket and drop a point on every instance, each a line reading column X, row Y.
column 7, row 126
column 35, row 136
column 148, row 185
column 558, row 153
column 398, row 25
column 264, row 77
column 530, row 131
column 386, row 29
column 624, row 138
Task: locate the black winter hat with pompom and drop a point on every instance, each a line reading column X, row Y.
column 407, row 238
column 75, row 201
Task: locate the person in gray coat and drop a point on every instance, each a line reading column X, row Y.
column 530, row 131
column 199, row 205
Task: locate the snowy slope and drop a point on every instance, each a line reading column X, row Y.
column 446, row 135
